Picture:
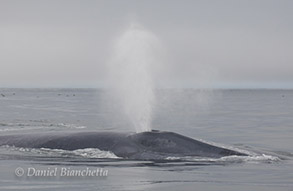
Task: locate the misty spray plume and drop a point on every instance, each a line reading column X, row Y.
column 134, row 54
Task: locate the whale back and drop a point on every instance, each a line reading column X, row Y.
column 178, row 145
column 63, row 140
column 144, row 146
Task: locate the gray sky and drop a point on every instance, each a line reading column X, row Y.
column 222, row 44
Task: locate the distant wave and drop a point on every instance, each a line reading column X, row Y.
column 36, row 126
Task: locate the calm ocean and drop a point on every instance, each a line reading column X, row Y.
column 257, row 121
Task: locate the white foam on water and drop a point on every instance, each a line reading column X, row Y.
column 95, row 153
column 230, row 159
column 84, row 153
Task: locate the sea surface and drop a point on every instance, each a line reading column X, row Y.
column 258, row 122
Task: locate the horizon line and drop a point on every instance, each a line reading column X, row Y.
column 158, row 88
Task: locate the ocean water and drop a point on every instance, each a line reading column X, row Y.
column 259, row 122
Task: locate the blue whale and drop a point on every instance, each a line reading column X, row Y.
column 154, row 145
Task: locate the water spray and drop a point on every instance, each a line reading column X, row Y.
column 131, row 77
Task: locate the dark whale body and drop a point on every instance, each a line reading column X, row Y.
column 154, row 145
